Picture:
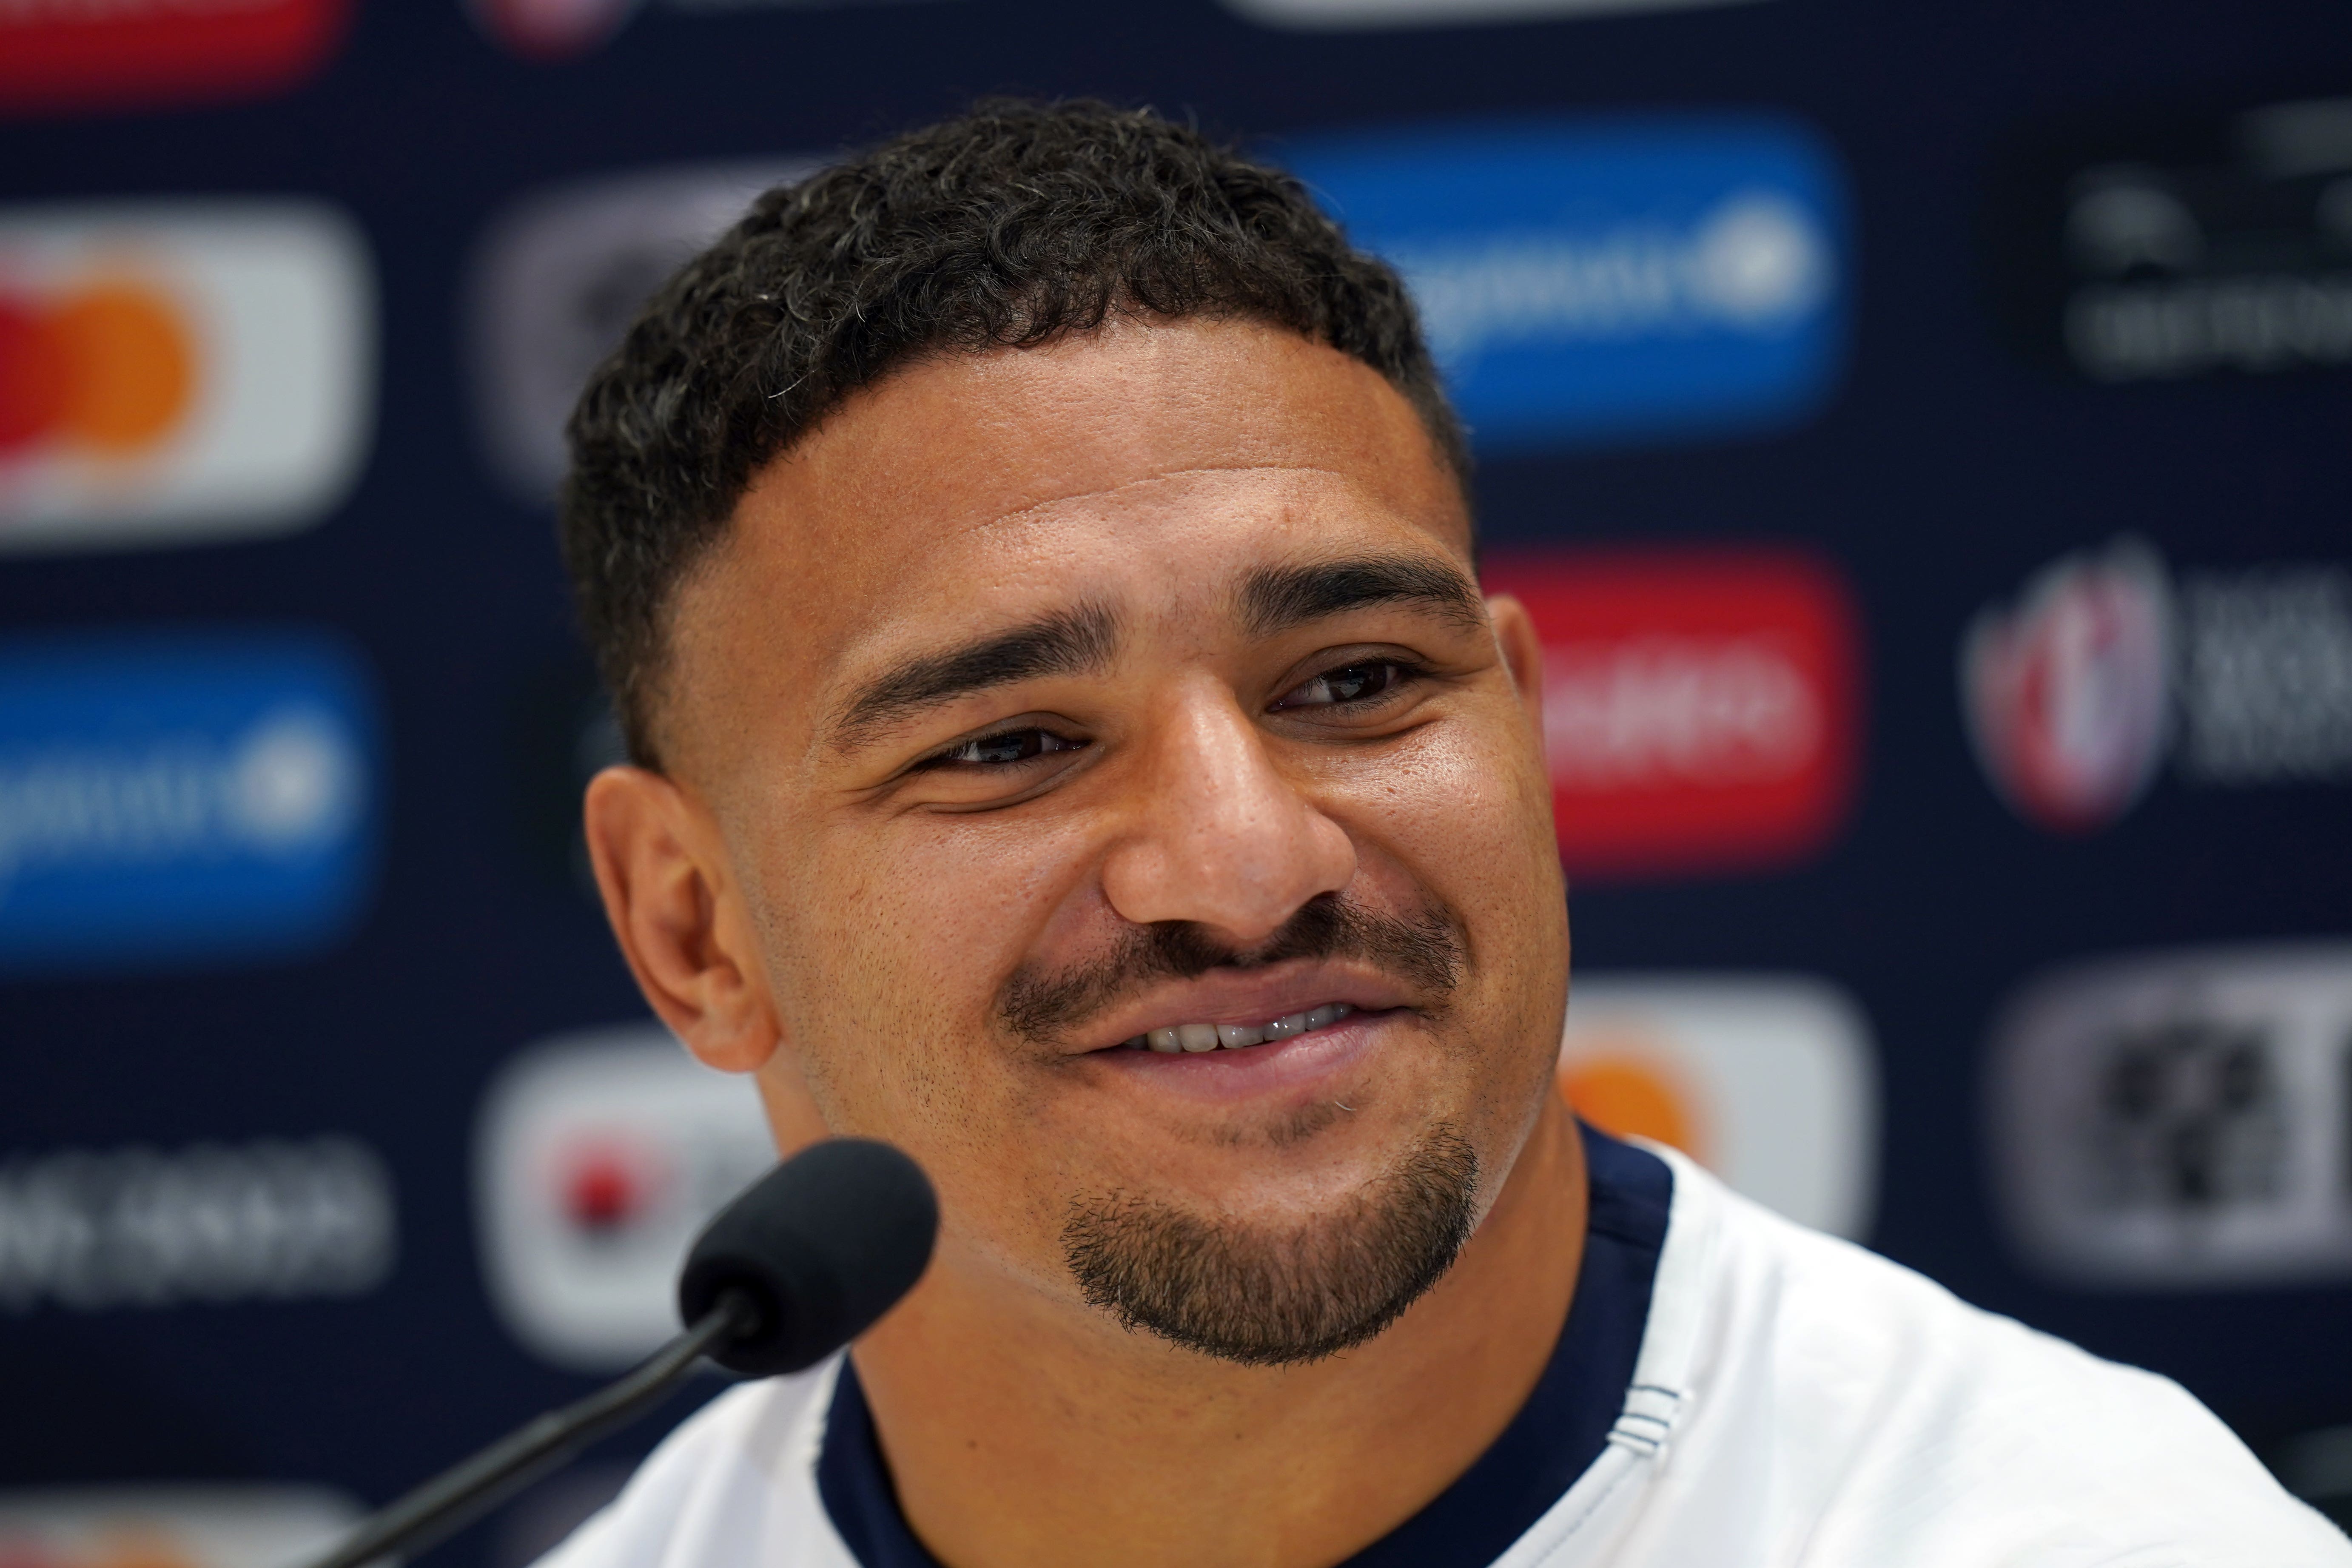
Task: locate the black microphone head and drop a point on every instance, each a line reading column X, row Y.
column 823, row 1244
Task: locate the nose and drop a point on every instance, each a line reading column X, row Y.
column 1217, row 834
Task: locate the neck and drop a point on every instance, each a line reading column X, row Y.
column 1018, row 1435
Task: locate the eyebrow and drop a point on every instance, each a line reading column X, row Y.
column 1067, row 642
column 1280, row 598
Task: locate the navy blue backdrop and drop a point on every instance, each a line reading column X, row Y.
column 1969, row 418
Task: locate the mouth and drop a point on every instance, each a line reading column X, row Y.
column 1286, row 1034
column 1304, row 1053
column 1169, row 1040
column 1244, row 1009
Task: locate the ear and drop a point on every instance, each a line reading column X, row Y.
column 682, row 923
column 1514, row 632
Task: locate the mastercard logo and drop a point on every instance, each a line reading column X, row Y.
column 200, row 1526
column 131, row 1550
column 110, row 369
column 1766, row 1079
column 170, row 372
column 1631, row 1094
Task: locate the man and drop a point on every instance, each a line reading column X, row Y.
column 1033, row 564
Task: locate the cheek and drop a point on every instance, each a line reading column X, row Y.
column 886, row 985
column 891, row 975
column 1467, row 807
column 1465, row 814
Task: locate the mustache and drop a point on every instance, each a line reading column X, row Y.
column 1428, row 949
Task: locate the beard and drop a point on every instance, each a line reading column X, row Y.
column 1251, row 1294
column 1262, row 1297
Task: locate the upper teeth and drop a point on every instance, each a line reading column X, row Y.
column 1234, row 1036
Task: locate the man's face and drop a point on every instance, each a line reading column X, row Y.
column 1056, row 707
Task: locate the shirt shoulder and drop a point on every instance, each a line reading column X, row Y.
column 1853, row 1412
column 732, row 1486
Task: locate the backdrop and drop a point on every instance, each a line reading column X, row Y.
column 1921, row 432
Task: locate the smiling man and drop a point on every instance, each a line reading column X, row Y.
column 1033, row 564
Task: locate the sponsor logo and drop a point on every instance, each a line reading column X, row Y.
column 596, row 1159
column 84, row 1230
column 1609, row 280
column 1770, row 1081
column 2190, row 249
column 174, row 799
column 2068, row 692
column 173, row 373
column 2266, row 688
column 1701, row 707
column 2106, row 664
column 2181, row 1118
column 80, row 54
column 172, row 1527
column 560, row 278
column 1334, row 15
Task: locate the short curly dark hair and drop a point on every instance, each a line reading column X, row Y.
column 1007, row 226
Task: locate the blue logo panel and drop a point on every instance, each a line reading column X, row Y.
column 176, row 800
column 1610, row 281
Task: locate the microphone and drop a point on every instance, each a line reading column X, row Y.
column 820, row 1248
column 801, row 1263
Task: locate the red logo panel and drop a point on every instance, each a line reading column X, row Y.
column 131, row 54
column 1701, row 707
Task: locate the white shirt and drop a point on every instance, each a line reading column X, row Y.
column 1797, row 1402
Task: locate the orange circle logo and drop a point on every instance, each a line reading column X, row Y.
column 109, row 369
column 1631, row 1094
column 138, row 1549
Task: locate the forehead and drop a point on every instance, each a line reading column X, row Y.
column 1138, row 463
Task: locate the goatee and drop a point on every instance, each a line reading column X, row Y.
column 1244, row 1294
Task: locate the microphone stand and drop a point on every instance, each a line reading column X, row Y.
column 461, row 1493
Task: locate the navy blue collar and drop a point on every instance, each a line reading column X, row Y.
column 1553, row 1440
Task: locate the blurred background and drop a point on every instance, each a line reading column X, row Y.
column 1922, row 432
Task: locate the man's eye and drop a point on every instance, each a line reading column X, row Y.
column 1348, row 683
column 1004, row 749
